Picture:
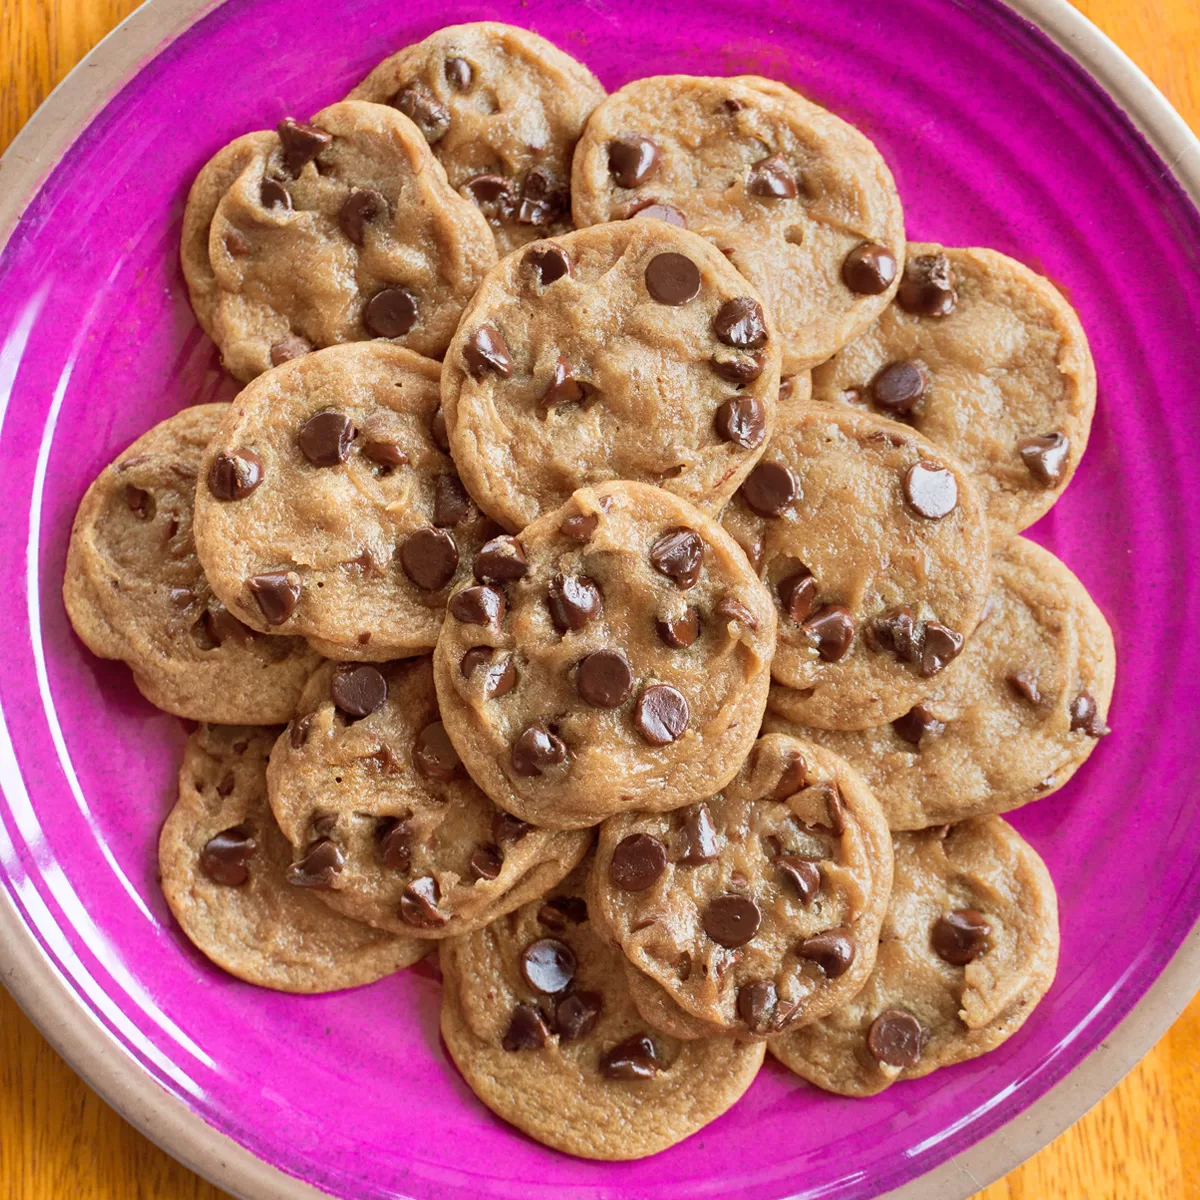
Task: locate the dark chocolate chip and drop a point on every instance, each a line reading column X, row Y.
column 562, row 911
column 638, row 862
column 548, row 966
column 740, row 369
column 831, row 630
column 478, row 605
column 634, row 1058
column 493, row 194
column 507, row 828
column 419, row 904
column 486, row 350
column 672, row 279
column 798, row 595
column 459, row 73
column 394, row 836
column 731, row 920
column 604, row 679
column 576, row 1014
column 277, row 594
column 384, row 453
column 550, row 263
column 434, row 755
column 898, row 387
column 1025, row 684
column 793, row 775
column 300, row 143
column 770, row 488
column 742, row 421
column 234, row 474
column 697, row 837
column 537, row 750
column 729, row 608
column 499, row 678
column 917, row 723
column 869, row 269
column 574, row 600
column 679, row 555
column 1085, row 716
column 896, row 632
column 961, row 936
column 319, row 868
column 430, row 558
column 288, row 348
column 927, row 289
column 325, row 438
column 931, row 491
column 940, row 646
column 526, row 1030
column 424, row 110
column 679, row 632
column 659, row 212
column 632, row 160
column 565, row 389
column 740, row 323
column 662, row 714
column 226, row 856
column 360, row 208
column 486, row 861
column 451, row 504
column 437, row 430
column 802, row 873
column 298, row 730
column 756, row 1003
column 358, row 689
column 772, row 179
column 895, row 1038
column 273, row 194
column 1045, row 457
column 833, row 951
column 390, row 313
column 543, row 199
column 501, row 561
column 580, row 527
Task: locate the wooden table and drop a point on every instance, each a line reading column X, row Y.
column 58, row 1139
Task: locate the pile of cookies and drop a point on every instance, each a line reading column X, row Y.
column 609, row 577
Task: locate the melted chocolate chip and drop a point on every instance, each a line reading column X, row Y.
column 638, row 862
column 543, row 199
column 869, row 270
column 917, row 723
column 662, row 714
column 390, row 313
column 430, row 558
column 325, row 438
column 1085, row 716
column 320, row 866
column 394, row 837
column 459, row 73
column 300, row 143
column 798, row 596
column 740, row 323
column 526, row 1030
column 434, row 755
column 632, row 160
column 493, row 194
column 384, row 453
column 772, row 179
column 451, row 504
column 499, row 678
column 731, row 920
column 234, row 474
column 697, row 837
column 895, row 631
column 659, row 212
column 437, row 430
column 742, row 421
column 537, row 750
column 895, row 1038
column 550, row 263
column 802, row 873
column 419, row 904
column 679, row 632
column 424, row 110
column 678, row 554
column 940, row 646
column 770, row 488
column 564, row 389
column 580, row 528
column 477, row 606
column 960, row 937
column 277, row 594
column 502, row 560
column 139, row 502
column 931, row 491
column 898, row 387
column 634, row 1058
column 672, row 279
column 574, row 600
column 833, row 951
column 604, row 679
column 736, row 368
column 1025, row 684
column 487, row 351
column 548, row 965
column 358, row 210
column 226, row 856
column 756, row 1003
column 298, row 730
column 358, row 689
column 576, row 1014
column 507, row 828
column 486, row 861
column 793, row 776
column 288, row 348
column 729, row 608
column 273, row 194
column 1045, row 457
column 831, row 630
column 927, row 289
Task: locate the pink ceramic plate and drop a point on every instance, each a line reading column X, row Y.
column 997, row 137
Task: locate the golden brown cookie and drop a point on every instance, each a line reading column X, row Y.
column 135, row 591
column 335, row 231
column 224, row 868
column 969, row 947
column 611, row 657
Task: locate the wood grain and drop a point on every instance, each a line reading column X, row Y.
column 58, row 1139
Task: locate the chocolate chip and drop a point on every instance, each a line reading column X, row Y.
column 358, row 689
column 755, row 1004
column 731, row 920
column 580, row 528
column 434, row 755
column 430, row 558
column 634, row 1058
column 793, row 775
column 384, row 453
column 273, row 194
column 277, row 594
column 550, row 263
column 659, row 212
column 632, row 160
column 898, row 387
column 361, row 207
column 831, row 630
column 288, row 348
column 507, row 828
column 320, row 866
column 895, row 1038
column 740, row 323
column 917, row 723
column 501, row 560
column 1085, row 716
column 869, row 269
column 325, row 438
column 798, row 595
column 772, row 179
column 638, row 862
column 697, row 837
column 604, row 679
column 770, row 488
column 543, row 199
column 226, row 856
column 662, row 715
column 802, row 873
column 394, row 837
column 940, row 646
column 537, row 750
column 672, row 279
column 418, row 904
column 459, row 73
column 493, row 194
column 728, row 608
column 741, row 420
column 679, row 632
column 740, row 369
column 234, row 474
column 478, row 606
column 833, row 951
column 562, row 911
column 390, row 313
column 960, row 937
column 576, row 1014
column 486, row 350
column 1025, row 684
column 300, row 143
column 574, row 600
column 526, row 1030
column 931, row 491
column 1045, row 457
column 424, row 110
column 895, row 631
column 298, row 730
column 548, row 966
column 486, row 861
column 564, row 389
column 927, row 289
column 139, row 502
column 451, row 504
column 678, row 554
column 499, row 679
column 835, row 807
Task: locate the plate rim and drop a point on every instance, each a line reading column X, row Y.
column 90, row 1051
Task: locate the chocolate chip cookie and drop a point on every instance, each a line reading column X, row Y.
column 328, row 507
column 968, row 948
column 135, row 591
column 753, row 911
column 875, row 546
column 985, row 358
column 536, row 1015
column 502, row 110
column 801, row 202
column 385, row 823
column 1011, row 720
column 225, row 871
column 613, row 656
column 625, row 351
column 335, row 231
